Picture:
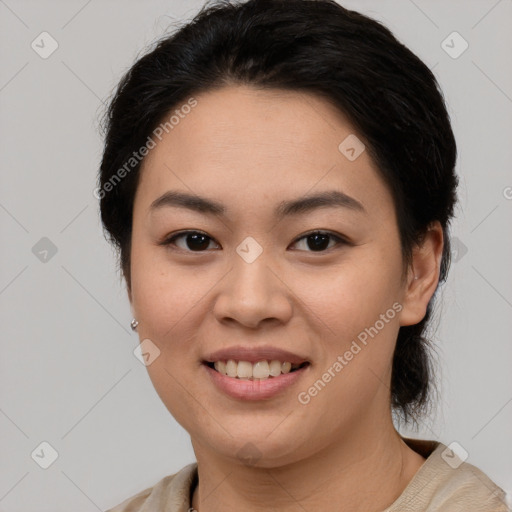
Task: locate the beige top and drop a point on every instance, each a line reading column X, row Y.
column 442, row 484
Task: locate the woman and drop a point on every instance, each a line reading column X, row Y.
column 278, row 177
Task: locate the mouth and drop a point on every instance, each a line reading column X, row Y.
column 258, row 371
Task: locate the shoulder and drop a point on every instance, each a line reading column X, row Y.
column 468, row 488
column 446, row 483
column 170, row 494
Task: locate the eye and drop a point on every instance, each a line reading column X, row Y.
column 197, row 241
column 318, row 241
column 194, row 241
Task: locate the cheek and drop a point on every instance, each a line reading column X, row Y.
column 356, row 331
column 164, row 295
column 351, row 296
column 167, row 302
column 357, row 313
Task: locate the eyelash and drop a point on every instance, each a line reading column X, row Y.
column 169, row 241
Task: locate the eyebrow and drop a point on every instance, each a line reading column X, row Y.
column 300, row 206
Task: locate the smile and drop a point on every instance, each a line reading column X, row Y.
column 261, row 370
column 250, row 387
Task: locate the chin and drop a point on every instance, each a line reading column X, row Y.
column 261, row 446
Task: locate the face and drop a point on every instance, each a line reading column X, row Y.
column 250, row 273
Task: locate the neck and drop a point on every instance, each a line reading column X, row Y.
column 363, row 472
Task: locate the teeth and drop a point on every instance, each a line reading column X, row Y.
column 231, row 368
column 275, row 368
column 244, row 370
column 247, row 370
column 260, row 370
column 220, row 366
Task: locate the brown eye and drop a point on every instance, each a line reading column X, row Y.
column 193, row 241
column 318, row 241
column 196, row 241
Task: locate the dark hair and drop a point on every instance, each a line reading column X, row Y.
column 388, row 94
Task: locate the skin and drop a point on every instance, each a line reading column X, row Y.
column 251, row 149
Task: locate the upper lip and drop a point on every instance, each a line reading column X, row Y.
column 254, row 354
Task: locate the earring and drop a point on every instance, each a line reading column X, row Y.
column 134, row 324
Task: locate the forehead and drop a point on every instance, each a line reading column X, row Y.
column 267, row 124
column 245, row 145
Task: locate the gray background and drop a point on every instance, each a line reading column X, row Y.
column 68, row 373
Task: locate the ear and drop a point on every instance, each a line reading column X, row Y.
column 423, row 276
column 127, row 282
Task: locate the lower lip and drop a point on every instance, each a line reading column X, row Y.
column 257, row 389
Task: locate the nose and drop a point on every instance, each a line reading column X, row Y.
column 252, row 294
